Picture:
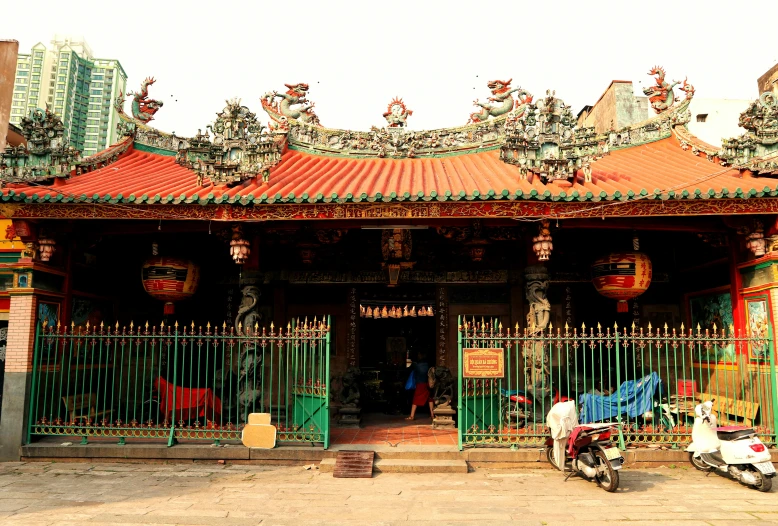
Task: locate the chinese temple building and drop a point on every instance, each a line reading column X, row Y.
column 170, row 286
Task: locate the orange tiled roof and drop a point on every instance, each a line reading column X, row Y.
column 659, row 169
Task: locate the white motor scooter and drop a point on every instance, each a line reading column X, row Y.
column 734, row 450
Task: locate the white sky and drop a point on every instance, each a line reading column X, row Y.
column 436, row 55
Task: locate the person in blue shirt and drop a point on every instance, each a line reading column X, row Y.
column 421, row 394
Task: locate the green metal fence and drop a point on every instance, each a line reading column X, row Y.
column 648, row 380
column 173, row 383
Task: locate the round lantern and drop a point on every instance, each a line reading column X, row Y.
column 170, row 279
column 622, row 276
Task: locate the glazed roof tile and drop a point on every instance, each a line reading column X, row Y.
column 661, row 169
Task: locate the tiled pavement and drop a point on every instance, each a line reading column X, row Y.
column 377, row 430
column 81, row 494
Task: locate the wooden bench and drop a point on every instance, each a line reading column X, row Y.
column 83, row 407
column 725, row 408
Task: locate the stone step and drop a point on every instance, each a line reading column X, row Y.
column 406, row 466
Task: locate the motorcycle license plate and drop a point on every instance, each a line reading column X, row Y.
column 765, row 467
column 612, row 453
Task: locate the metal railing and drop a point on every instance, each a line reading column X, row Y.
column 648, row 380
column 172, row 383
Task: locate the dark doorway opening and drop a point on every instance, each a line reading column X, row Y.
column 387, row 347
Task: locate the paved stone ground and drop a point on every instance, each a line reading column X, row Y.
column 125, row 494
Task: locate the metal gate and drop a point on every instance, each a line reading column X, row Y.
column 181, row 383
column 648, row 380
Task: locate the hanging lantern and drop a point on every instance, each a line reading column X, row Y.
column 541, row 243
column 755, row 243
column 622, row 276
column 46, row 247
column 170, row 279
column 240, row 248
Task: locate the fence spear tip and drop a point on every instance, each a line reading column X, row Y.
column 161, row 325
column 599, row 327
column 208, row 326
column 615, row 325
column 176, row 324
column 714, row 326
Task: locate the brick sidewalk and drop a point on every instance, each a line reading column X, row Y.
column 210, row 494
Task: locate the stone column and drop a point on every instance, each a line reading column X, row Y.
column 18, row 372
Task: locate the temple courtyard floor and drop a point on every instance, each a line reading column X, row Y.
column 65, row 493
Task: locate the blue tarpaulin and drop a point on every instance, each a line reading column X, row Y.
column 637, row 397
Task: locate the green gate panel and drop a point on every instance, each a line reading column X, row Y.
column 482, row 411
column 309, row 410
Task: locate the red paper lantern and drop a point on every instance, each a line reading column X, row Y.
column 170, row 279
column 622, row 276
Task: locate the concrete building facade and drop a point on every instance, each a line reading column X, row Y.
column 9, row 50
column 75, row 85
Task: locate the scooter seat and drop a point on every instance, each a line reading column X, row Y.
column 734, row 432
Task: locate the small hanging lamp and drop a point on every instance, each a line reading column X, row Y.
column 240, row 248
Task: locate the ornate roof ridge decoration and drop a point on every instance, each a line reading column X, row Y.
column 397, row 113
column 697, row 146
column 660, row 126
column 149, row 136
column 47, row 154
column 392, row 142
column 544, row 142
column 757, row 149
column 143, row 111
column 101, row 159
column 241, row 148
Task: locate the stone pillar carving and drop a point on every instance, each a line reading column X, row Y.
column 536, row 359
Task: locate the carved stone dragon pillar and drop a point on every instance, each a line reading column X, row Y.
column 536, row 358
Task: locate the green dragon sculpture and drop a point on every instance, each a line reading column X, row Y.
column 296, row 95
column 501, row 94
column 661, row 96
column 144, row 108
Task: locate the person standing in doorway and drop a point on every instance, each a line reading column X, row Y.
column 421, row 394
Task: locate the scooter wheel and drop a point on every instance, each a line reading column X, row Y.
column 765, row 482
column 609, row 478
column 550, row 456
column 698, row 463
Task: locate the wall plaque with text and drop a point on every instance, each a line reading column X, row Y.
column 483, row 363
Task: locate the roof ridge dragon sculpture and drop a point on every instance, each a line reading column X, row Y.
column 144, row 108
column 294, row 96
column 661, row 95
column 502, row 96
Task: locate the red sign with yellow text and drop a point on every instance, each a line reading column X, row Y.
column 483, row 363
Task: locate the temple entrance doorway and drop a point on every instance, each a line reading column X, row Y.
column 387, row 348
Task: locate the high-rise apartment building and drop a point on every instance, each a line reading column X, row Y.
column 79, row 88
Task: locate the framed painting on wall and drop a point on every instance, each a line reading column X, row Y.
column 48, row 311
column 92, row 310
column 708, row 309
column 758, row 327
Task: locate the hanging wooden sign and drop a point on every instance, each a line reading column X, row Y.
column 483, row 363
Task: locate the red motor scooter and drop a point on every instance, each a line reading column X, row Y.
column 590, row 452
column 521, row 408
